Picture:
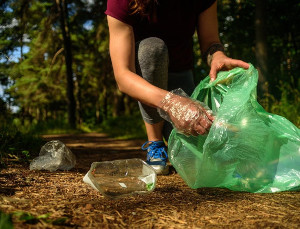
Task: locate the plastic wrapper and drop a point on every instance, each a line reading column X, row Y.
column 188, row 116
column 120, row 178
column 54, row 155
column 246, row 149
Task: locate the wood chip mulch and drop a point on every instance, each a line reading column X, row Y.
column 172, row 204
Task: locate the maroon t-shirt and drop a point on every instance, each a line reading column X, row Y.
column 175, row 25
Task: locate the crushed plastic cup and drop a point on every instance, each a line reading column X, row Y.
column 54, row 155
column 120, row 178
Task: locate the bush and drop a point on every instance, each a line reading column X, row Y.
column 124, row 127
column 16, row 145
column 287, row 106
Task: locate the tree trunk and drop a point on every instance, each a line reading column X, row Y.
column 79, row 98
column 261, row 46
column 63, row 11
column 21, row 47
column 118, row 104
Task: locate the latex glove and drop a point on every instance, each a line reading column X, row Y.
column 220, row 62
column 188, row 116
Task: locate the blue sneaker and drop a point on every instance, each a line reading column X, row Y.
column 157, row 156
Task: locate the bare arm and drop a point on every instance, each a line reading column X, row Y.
column 207, row 28
column 122, row 52
column 208, row 34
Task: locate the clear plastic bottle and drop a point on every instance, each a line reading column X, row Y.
column 119, row 178
column 54, row 155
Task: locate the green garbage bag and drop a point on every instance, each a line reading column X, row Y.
column 246, row 149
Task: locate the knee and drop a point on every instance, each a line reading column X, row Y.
column 152, row 48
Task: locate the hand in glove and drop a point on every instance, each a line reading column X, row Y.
column 188, row 116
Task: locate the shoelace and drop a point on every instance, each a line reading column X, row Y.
column 157, row 150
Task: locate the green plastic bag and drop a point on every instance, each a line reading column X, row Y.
column 246, row 149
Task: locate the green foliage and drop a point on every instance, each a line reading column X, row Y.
column 237, row 31
column 236, row 27
column 287, row 106
column 29, row 218
column 39, row 77
column 51, row 126
column 15, row 145
column 36, row 80
column 125, row 127
column 5, row 221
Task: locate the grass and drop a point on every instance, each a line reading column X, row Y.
column 6, row 221
column 124, row 127
column 17, row 146
column 59, row 126
column 287, row 106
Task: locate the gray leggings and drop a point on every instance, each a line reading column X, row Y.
column 152, row 62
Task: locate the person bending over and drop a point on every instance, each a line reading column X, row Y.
column 151, row 48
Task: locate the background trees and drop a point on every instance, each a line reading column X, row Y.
column 54, row 57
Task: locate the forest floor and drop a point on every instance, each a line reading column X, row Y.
column 70, row 203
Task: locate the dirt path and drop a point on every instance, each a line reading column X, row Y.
column 171, row 205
